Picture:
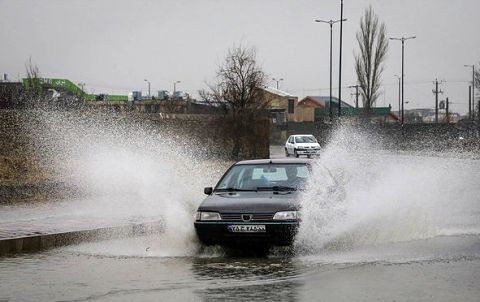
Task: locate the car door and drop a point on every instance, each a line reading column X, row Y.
column 291, row 145
column 287, row 144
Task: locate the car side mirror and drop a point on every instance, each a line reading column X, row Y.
column 208, row 190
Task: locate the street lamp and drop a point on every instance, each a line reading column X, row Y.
column 175, row 87
column 148, row 87
column 340, row 64
column 331, row 22
column 470, row 113
column 281, row 79
column 399, row 93
column 403, row 60
column 82, row 86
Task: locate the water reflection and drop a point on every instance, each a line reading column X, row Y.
column 252, row 279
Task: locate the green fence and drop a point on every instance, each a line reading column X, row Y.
column 71, row 87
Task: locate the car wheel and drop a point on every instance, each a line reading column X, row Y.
column 309, row 156
column 295, row 153
column 286, row 153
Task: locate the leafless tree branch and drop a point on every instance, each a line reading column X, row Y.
column 369, row 62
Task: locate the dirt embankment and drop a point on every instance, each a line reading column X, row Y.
column 22, row 175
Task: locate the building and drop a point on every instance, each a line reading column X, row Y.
column 306, row 107
column 317, row 108
column 283, row 105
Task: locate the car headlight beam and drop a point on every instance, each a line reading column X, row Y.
column 208, row 216
column 287, row 215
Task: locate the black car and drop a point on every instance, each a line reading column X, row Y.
column 254, row 203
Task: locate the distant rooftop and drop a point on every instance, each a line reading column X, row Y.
column 325, row 100
column 278, row 92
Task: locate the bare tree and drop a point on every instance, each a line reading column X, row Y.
column 33, row 94
column 369, row 62
column 237, row 93
column 33, row 76
column 238, row 80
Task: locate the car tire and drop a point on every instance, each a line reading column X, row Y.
column 309, row 156
column 286, row 153
column 295, row 153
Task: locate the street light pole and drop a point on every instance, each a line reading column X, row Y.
column 148, row 87
column 403, row 73
column 331, row 22
column 281, row 79
column 472, row 112
column 399, row 94
column 340, row 64
column 175, row 87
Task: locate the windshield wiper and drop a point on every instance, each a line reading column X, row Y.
column 276, row 188
column 234, row 190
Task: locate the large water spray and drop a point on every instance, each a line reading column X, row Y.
column 127, row 167
column 385, row 196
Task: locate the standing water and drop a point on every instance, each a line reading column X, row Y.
column 399, row 226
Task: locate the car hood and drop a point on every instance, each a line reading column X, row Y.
column 250, row 202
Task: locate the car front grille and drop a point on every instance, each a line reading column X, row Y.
column 238, row 216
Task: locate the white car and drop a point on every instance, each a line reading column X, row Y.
column 302, row 144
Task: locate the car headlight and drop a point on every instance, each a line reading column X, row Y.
column 287, row 215
column 208, row 216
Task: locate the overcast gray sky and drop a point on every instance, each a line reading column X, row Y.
column 113, row 45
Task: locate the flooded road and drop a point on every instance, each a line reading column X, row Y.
column 407, row 229
column 421, row 243
column 445, row 268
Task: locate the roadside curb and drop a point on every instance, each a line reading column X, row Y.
column 37, row 242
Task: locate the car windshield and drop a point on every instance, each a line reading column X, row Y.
column 259, row 177
column 305, row 139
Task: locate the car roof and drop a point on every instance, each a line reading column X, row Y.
column 274, row 161
column 302, row 135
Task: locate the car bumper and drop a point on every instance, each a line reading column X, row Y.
column 276, row 233
column 308, row 151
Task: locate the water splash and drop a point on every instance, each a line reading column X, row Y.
column 143, row 170
column 134, row 168
column 389, row 196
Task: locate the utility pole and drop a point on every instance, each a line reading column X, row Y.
column 436, row 92
column 447, row 116
column 472, row 113
column 356, row 94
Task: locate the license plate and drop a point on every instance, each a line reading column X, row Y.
column 247, row 228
